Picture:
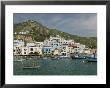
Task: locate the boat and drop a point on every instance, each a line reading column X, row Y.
column 77, row 56
column 29, row 67
column 91, row 59
column 19, row 60
column 45, row 58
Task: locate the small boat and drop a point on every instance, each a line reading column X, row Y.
column 91, row 59
column 19, row 60
column 77, row 57
column 33, row 66
column 28, row 67
column 45, row 58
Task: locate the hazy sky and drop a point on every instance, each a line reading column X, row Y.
column 82, row 24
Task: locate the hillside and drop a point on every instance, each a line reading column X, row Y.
column 36, row 31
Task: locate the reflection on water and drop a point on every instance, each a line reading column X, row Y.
column 56, row 67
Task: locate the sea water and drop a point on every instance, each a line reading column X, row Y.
column 56, row 67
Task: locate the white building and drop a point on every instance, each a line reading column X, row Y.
column 64, row 51
column 80, row 48
column 71, row 49
column 25, row 51
column 53, row 45
column 18, row 43
column 35, row 47
column 39, row 46
column 87, row 51
column 22, row 33
column 30, row 44
column 17, row 50
column 32, row 49
column 17, row 47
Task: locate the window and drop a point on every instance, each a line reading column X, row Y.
column 64, row 48
column 25, row 49
column 46, row 50
column 64, row 54
column 31, row 49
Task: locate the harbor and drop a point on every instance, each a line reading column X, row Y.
column 54, row 66
column 66, row 66
column 54, row 56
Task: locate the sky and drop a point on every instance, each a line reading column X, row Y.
column 81, row 24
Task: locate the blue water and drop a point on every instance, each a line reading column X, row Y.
column 57, row 67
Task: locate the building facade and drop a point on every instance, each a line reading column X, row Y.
column 52, row 46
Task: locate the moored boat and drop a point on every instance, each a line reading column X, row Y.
column 91, row 59
column 32, row 67
column 77, row 56
column 18, row 60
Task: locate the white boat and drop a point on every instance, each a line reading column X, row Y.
column 19, row 60
column 33, row 67
column 92, row 58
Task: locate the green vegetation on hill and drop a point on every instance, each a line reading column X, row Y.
column 35, row 31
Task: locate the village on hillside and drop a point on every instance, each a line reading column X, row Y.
column 54, row 46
